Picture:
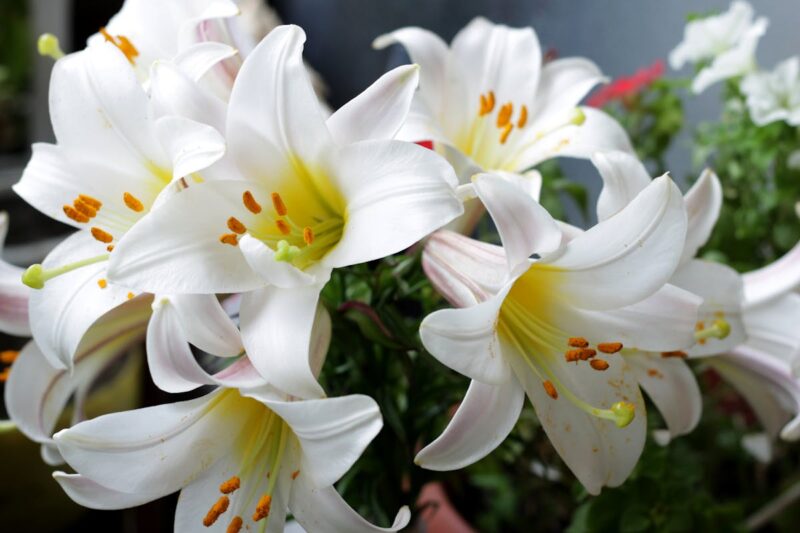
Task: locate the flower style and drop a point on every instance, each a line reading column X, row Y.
column 13, row 294
column 242, row 459
column 774, row 95
column 727, row 40
column 308, row 195
column 557, row 327
column 627, row 86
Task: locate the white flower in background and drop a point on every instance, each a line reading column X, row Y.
column 727, row 41
column 487, row 102
column 242, row 460
column 105, row 173
column 13, row 294
column 774, row 95
column 557, row 327
column 307, row 195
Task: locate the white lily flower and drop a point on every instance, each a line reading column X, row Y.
column 526, row 323
column 13, row 294
column 727, row 40
column 242, row 460
column 310, row 195
column 774, row 95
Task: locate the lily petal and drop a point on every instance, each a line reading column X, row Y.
column 199, row 58
column 564, row 83
column 13, row 294
column 261, row 259
column 703, row 203
column 774, row 279
column 624, row 177
column 87, row 493
column 772, row 328
column 192, row 146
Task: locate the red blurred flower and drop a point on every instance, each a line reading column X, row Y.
column 627, row 86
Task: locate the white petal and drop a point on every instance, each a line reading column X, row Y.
column 466, row 340
column 281, row 274
column 323, row 509
column 525, row 227
column 333, row 432
column 173, row 92
column 772, row 327
column 87, row 493
column 13, row 294
column 774, row 279
column 397, row 193
column 198, row 59
column 563, row 85
column 207, row 324
column 624, row 176
column 379, row 111
column 628, row 257
column 671, row 385
column 277, row 329
column 484, row 419
column 703, row 202
column 192, row 146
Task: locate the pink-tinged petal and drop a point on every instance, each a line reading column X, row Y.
column 624, row 177
column 525, row 227
column 673, row 388
column 87, row 493
column 774, row 279
column 703, row 203
column 13, row 294
column 323, row 509
column 484, row 419
column 379, row 111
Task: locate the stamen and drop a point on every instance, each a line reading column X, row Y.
column 277, row 203
column 235, row 526
column 295, row 474
column 523, row 117
column 609, row 347
column 490, row 101
column 283, row 227
column 719, row 329
column 676, row 353
column 228, row 238
column 101, row 235
column 236, row 226
column 102, row 283
column 49, row 46
column 133, row 203
column 84, row 208
column 504, row 115
column 123, row 44
column 506, row 132
column 587, row 353
column 36, row 275
column 9, row 356
column 550, row 389
column 262, row 509
column 216, row 510
column 4, row 374
column 572, row 355
column 484, row 103
column 94, row 202
column 72, row 213
column 577, row 342
column 250, row 203
column 599, row 364
column 308, row 235
column 230, row 486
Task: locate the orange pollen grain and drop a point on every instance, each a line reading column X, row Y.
column 229, row 486
column 523, row 117
column 504, row 115
column 110, row 247
column 102, row 283
column 599, row 364
column 308, row 235
column 283, row 227
column 236, row 226
column 295, row 474
column 72, row 213
column 572, row 355
column 550, row 389
column 235, row 525
column 506, row 132
column 228, row 238
column 262, row 509
column 132, row 202
column 8, row 356
column 250, row 203
column 101, row 235
column 131, row 296
column 277, row 203
column 94, row 202
column 577, row 342
column 216, row 510
column 587, row 353
column 609, row 347
column 676, row 353
column 84, row 208
column 653, row 373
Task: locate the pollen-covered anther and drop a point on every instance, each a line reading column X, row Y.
column 586, row 354
column 487, row 103
column 550, row 389
column 504, row 115
column 84, row 208
column 102, row 235
column 4, row 374
column 8, row 356
column 262, row 509
column 675, row 353
column 75, row 215
column 229, row 238
column 283, row 227
column 308, row 235
column 577, row 342
column 572, row 356
column 250, row 203
column 506, row 132
column 235, row 225
column 599, row 364
column 278, row 204
column 133, row 203
column 123, row 44
column 230, row 486
column 609, row 347
column 523, row 117
column 236, row 525
column 216, row 510
column 94, row 202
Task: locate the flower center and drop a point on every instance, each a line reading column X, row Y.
column 123, row 44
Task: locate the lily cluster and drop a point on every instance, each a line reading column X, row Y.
column 213, row 195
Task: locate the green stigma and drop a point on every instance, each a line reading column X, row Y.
column 624, row 413
column 36, row 275
column 719, row 329
column 286, row 252
column 578, row 117
column 49, row 46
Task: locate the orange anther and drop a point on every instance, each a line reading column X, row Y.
column 228, row 238
column 277, row 203
column 676, row 353
column 102, row 283
column 484, row 103
column 122, row 43
column 572, row 355
column 587, row 353
column 236, row 226
column 4, row 374
column 216, row 510
column 523, row 117
column 132, row 202
column 490, row 101
column 577, row 342
column 504, row 115
column 599, row 364
column 308, row 235
column 283, row 227
column 84, row 208
column 229, row 486
column 8, row 356
column 72, row 213
column 295, row 474
column 101, row 235
column 609, row 347
column 235, row 525
column 506, row 132
column 262, row 509
column 550, row 389
column 94, row 202
column 250, row 203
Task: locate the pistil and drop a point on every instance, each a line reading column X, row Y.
column 36, row 275
column 719, row 329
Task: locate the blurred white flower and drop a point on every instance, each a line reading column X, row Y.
column 775, row 95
